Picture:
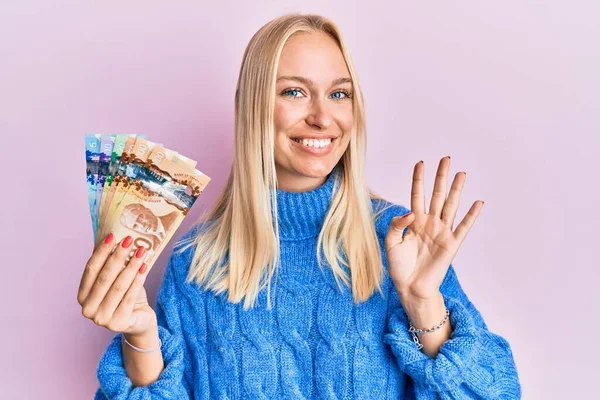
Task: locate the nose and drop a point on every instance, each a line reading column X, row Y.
column 318, row 115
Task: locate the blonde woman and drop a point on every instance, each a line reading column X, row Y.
column 301, row 283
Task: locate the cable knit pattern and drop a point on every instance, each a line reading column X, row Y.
column 295, row 356
column 314, row 343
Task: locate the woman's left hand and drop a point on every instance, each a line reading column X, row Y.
column 419, row 261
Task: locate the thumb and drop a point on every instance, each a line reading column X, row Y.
column 399, row 223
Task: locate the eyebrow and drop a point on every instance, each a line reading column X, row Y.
column 310, row 82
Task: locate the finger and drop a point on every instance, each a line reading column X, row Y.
column 417, row 196
column 127, row 304
column 107, row 275
column 451, row 207
column 120, row 286
column 465, row 225
column 439, row 188
column 397, row 226
column 93, row 267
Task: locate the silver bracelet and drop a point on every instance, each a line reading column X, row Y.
column 143, row 350
column 414, row 330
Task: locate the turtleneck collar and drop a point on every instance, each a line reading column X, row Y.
column 301, row 214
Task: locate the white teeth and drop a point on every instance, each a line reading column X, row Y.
column 317, row 143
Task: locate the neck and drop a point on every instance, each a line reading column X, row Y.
column 300, row 215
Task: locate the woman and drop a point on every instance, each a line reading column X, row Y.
column 301, row 283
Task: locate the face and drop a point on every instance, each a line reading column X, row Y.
column 313, row 111
column 140, row 219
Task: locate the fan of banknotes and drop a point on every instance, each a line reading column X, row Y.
column 140, row 189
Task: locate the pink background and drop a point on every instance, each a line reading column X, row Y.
column 508, row 89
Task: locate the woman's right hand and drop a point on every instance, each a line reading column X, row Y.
column 111, row 291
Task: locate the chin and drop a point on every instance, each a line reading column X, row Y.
column 320, row 171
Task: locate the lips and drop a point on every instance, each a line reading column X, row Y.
column 314, row 150
column 312, row 142
column 317, row 137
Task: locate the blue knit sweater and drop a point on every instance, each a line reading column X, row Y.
column 314, row 343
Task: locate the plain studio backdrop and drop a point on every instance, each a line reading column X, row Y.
column 508, row 89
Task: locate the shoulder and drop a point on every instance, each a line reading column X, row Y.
column 383, row 212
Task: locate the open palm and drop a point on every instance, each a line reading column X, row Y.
column 419, row 261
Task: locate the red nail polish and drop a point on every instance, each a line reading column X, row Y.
column 142, row 268
column 140, row 252
column 109, row 238
column 126, row 242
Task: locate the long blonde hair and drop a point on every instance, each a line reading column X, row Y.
column 237, row 245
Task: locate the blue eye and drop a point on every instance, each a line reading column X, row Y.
column 285, row 92
column 346, row 95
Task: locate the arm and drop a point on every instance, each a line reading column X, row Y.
column 427, row 314
column 143, row 368
column 473, row 364
column 172, row 382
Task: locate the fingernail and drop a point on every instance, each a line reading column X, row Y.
column 140, row 252
column 126, row 242
column 109, row 238
column 407, row 214
column 142, row 268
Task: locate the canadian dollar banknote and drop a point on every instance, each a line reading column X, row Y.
column 146, row 190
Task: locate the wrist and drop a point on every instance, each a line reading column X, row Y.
column 424, row 313
column 149, row 339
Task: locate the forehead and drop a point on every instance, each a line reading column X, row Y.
column 316, row 56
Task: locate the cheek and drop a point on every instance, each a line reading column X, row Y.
column 278, row 118
column 286, row 115
column 346, row 120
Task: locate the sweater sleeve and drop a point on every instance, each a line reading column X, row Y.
column 173, row 380
column 473, row 364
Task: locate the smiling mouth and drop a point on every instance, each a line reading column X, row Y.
column 314, row 143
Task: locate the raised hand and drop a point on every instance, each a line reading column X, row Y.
column 419, row 261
